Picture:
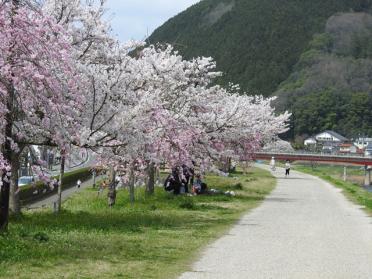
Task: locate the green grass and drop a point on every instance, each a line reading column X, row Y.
column 157, row 237
column 352, row 191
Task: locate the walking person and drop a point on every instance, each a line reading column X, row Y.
column 287, row 168
column 272, row 164
column 78, row 183
column 55, row 183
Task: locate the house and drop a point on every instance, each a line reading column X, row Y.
column 328, row 142
column 330, row 137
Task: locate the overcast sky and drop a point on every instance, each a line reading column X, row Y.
column 134, row 19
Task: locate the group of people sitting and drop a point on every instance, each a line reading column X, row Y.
column 183, row 179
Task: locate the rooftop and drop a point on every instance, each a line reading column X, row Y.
column 334, row 134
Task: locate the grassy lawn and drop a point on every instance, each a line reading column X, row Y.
column 157, row 237
column 333, row 174
column 355, row 174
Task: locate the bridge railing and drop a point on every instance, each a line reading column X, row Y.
column 305, row 153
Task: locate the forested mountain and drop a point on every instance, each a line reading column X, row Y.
column 331, row 85
column 256, row 43
column 315, row 55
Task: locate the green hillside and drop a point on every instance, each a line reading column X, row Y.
column 331, row 85
column 256, row 43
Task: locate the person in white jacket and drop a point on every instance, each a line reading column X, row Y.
column 272, row 164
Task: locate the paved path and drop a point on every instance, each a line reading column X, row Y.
column 49, row 201
column 304, row 229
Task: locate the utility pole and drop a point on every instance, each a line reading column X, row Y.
column 345, row 173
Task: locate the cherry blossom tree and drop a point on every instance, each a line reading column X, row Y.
column 142, row 105
column 172, row 115
column 39, row 86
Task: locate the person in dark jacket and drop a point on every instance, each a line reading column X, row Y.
column 175, row 181
column 189, row 177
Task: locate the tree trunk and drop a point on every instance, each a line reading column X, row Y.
column 94, row 178
column 112, row 188
column 4, row 203
column 7, row 147
column 226, row 161
column 60, row 184
column 7, row 153
column 14, row 203
column 131, row 185
column 150, row 187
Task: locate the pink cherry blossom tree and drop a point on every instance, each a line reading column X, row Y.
column 38, row 85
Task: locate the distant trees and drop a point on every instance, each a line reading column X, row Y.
column 331, row 85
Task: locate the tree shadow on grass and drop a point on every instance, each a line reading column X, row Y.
column 117, row 220
column 108, row 221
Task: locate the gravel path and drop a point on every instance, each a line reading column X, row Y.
column 305, row 229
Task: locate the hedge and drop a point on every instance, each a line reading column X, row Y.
column 39, row 190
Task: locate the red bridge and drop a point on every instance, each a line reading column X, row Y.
column 348, row 159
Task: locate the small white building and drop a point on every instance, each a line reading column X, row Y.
column 310, row 141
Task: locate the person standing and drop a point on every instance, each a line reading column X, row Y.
column 272, row 164
column 287, row 168
column 78, row 183
column 188, row 174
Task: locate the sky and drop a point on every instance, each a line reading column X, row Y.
column 135, row 19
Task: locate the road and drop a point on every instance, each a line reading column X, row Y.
column 49, row 201
column 305, row 229
column 75, row 164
